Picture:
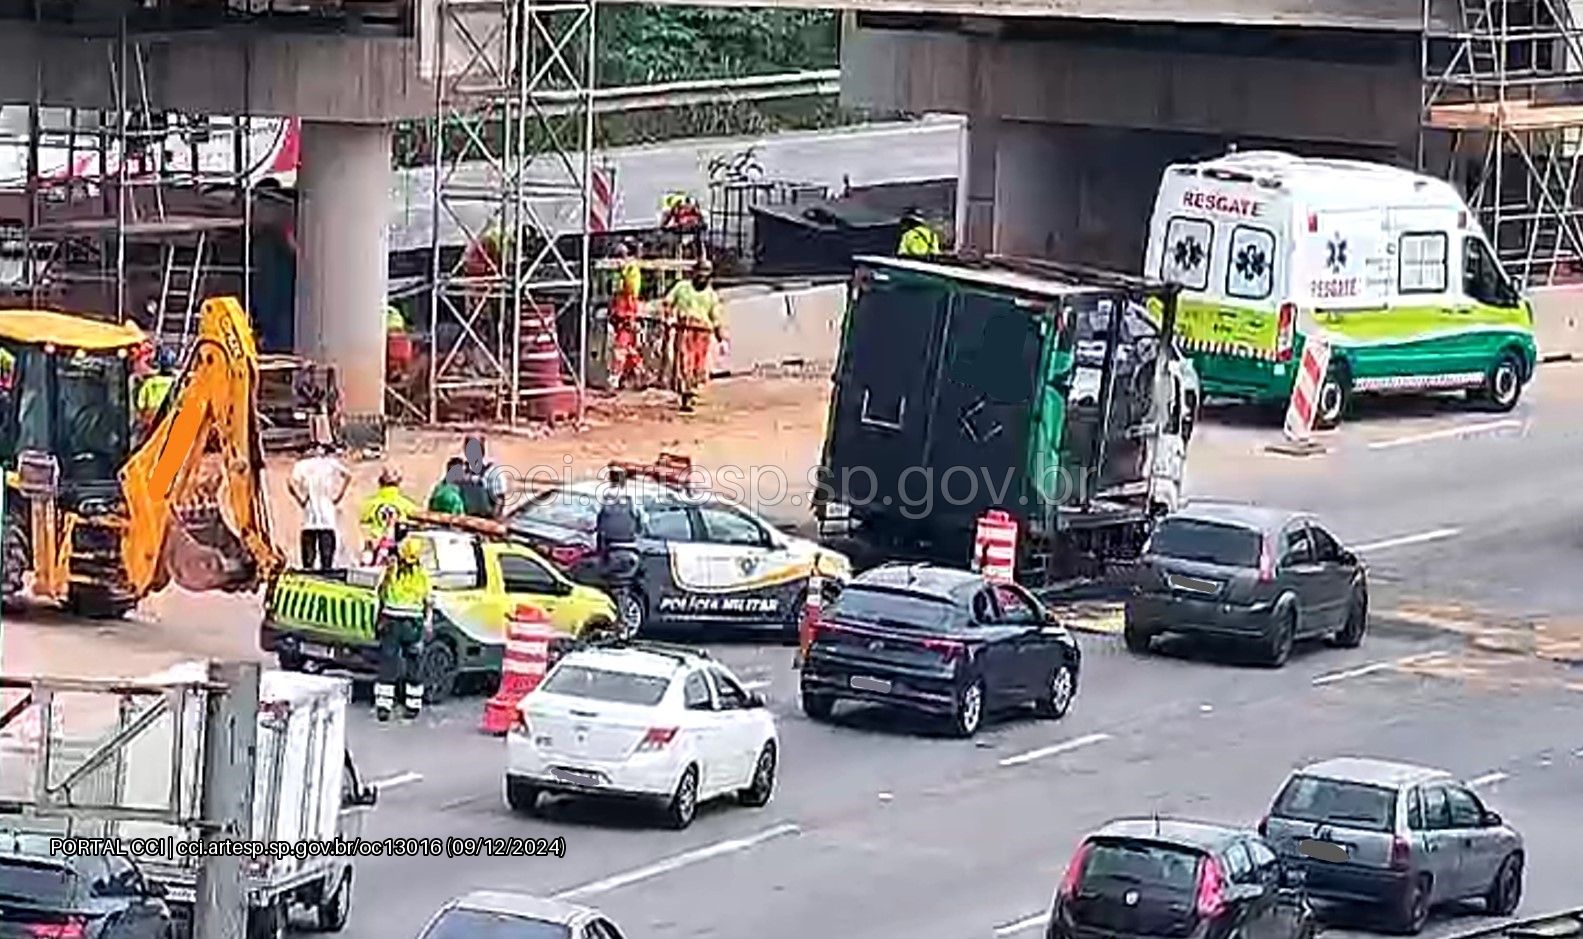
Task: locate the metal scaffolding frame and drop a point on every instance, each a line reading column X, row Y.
column 513, row 160
column 1503, row 117
column 110, row 201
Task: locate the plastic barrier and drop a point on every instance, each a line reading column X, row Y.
column 995, row 546
column 812, row 611
column 1300, row 411
column 523, row 665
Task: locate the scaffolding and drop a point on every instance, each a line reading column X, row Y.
column 1503, row 117
column 125, row 215
column 513, row 142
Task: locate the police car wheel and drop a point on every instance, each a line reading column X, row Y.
column 631, row 611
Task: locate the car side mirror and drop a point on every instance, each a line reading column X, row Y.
column 1493, row 819
column 755, row 700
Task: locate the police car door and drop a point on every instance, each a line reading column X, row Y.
column 744, row 573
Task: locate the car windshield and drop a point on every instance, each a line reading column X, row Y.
column 561, row 508
column 580, row 681
column 36, row 881
column 1208, row 542
column 893, row 608
column 478, row 924
column 1356, row 805
column 1141, row 864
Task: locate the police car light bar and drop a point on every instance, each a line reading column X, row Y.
column 670, row 468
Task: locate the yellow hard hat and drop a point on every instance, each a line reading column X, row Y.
column 411, row 551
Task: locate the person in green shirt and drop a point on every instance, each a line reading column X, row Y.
column 446, row 496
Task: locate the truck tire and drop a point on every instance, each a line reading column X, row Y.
column 335, row 908
column 15, row 560
column 96, row 603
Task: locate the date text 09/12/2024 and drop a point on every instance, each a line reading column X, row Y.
column 170, row 846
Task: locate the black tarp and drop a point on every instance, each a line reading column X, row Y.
column 820, row 237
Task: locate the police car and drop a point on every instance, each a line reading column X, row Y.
column 705, row 561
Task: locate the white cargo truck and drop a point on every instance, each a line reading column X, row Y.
column 305, row 792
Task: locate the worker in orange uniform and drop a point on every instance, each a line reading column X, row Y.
column 625, row 306
column 695, row 310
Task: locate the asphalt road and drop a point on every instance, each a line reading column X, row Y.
column 882, row 829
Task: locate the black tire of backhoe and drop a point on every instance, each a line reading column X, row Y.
column 15, row 561
column 96, row 604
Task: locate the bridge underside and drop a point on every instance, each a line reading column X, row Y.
column 1071, row 123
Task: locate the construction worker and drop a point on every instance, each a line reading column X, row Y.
column 695, row 310
column 918, row 239
column 382, row 513
column 7, row 370
column 482, row 494
column 625, row 306
column 446, row 496
column 404, row 624
column 394, row 321
column 616, row 538
column 318, row 482
column 155, row 388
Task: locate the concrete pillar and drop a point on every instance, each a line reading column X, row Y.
column 975, row 191
column 343, row 262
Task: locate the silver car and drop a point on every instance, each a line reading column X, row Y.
column 1397, row 837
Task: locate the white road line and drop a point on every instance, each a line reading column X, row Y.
column 1488, row 779
column 1439, row 534
column 1461, row 430
column 756, row 685
column 400, row 779
column 1022, row 925
column 1063, row 747
column 1358, row 672
column 676, row 862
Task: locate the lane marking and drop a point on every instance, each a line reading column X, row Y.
column 1353, row 672
column 1461, row 430
column 1488, row 779
column 1374, row 667
column 756, row 685
column 1021, row 925
column 1439, row 534
column 1063, row 747
column 676, row 862
column 400, row 779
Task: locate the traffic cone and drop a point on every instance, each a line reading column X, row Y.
column 522, row 666
column 813, row 609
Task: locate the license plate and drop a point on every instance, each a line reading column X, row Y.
column 317, row 651
column 864, row 683
column 1193, row 584
column 576, row 776
column 1324, row 850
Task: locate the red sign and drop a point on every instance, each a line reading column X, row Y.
column 1222, row 204
column 1333, row 288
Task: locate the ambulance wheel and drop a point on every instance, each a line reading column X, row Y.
column 335, row 908
column 1503, row 386
column 1334, row 396
column 438, row 668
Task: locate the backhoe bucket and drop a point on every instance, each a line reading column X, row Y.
column 202, row 553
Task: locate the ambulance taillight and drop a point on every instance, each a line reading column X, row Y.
column 1284, row 330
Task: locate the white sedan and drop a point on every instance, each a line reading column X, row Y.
column 654, row 723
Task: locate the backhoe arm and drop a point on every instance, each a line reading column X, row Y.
column 215, row 399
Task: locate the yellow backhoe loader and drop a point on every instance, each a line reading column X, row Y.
column 100, row 518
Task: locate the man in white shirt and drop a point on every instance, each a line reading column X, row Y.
column 318, row 483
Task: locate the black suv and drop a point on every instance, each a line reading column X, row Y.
column 1173, row 879
column 47, row 896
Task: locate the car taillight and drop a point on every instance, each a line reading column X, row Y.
column 1210, row 901
column 947, row 649
column 1401, row 853
column 1074, row 871
column 1285, row 330
column 1266, row 559
column 70, row 928
column 566, row 555
column 658, row 738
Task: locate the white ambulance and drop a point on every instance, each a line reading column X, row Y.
column 1387, row 266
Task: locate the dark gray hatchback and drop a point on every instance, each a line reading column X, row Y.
column 1266, row 577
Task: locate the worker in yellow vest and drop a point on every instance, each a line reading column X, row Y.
column 625, row 306
column 383, row 513
column 699, row 317
column 918, row 240
column 155, row 388
column 405, row 622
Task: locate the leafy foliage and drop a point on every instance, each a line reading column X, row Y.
column 642, row 45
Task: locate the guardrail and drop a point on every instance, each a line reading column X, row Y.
column 823, row 83
column 1565, row 924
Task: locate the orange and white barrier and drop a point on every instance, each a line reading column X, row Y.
column 995, row 546
column 601, row 199
column 812, row 612
column 1311, row 371
column 523, row 665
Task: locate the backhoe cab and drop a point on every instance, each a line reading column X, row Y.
column 99, row 518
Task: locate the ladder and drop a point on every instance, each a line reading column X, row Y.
column 181, row 281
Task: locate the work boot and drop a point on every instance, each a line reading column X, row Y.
column 413, row 702
column 687, row 403
column 384, row 701
column 382, row 715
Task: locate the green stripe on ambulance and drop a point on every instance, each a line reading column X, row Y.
column 324, row 607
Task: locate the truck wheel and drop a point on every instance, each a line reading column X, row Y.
column 438, row 668
column 333, row 910
column 96, row 603
column 15, row 560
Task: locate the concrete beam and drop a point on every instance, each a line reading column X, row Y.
column 347, row 79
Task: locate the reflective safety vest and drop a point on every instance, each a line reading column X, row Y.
column 629, row 280
column 694, row 308
column 383, row 510
column 153, row 392
column 919, row 241
column 404, row 590
column 394, row 321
